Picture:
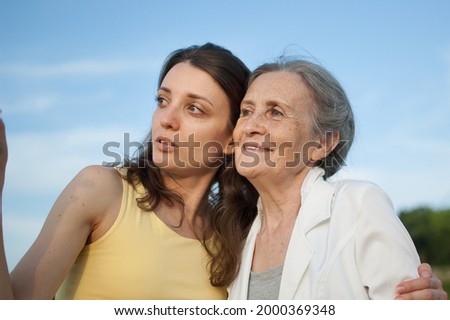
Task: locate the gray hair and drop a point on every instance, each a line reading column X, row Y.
column 331, row 110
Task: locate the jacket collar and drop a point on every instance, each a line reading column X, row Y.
column 316, row 197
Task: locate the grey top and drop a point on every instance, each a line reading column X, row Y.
column 265, row 285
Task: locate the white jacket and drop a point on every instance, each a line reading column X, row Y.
column 347, row 243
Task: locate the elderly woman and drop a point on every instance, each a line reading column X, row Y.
column 311, row 239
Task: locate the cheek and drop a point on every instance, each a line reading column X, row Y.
column 155, row 118
column 219, row 142
column 222, row 133
column 237, row 132
column 299, row 133
column 214, row 139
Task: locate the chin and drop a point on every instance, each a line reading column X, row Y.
column 249, row 173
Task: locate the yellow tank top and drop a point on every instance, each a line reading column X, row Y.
column 140, row 258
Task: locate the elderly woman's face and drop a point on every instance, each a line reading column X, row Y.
column 274, row 132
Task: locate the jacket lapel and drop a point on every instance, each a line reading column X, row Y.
column 316, row 196
column 296, row 262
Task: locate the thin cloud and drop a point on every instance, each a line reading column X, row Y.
column 43, row 102
column 79, row 68
column 48, row 161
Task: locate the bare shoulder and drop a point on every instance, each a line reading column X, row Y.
column 103, row 188
column 100, row 189
column 95, row 192
column 98, row 179
column 84, row 211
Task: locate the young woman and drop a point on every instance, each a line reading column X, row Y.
column 144, row 231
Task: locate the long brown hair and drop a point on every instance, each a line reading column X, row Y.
column 232, row 218
column 231, row 74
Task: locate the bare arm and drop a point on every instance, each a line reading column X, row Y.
column 77, row 216
column 5, row 282
column 83, row 212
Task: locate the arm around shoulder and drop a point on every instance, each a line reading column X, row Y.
column 385, row 251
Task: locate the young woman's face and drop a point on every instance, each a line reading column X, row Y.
column 191, row 125
column 274, row 131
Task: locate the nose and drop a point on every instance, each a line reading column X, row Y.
column 169, row 118
column 255, row 124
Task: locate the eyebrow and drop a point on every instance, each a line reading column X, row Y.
column 267, row 103
column 190, row 95
column 247, row 101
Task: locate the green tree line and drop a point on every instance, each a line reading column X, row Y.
column 430, row 231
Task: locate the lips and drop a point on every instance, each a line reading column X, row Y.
column 165, row 143
column 254, row 147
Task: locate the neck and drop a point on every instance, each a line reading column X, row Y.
column 190, row 188
column 183, row 219
column 281, row 200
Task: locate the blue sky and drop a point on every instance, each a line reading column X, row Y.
column 77, row 74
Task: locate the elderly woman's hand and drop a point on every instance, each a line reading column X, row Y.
column 427, row 287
